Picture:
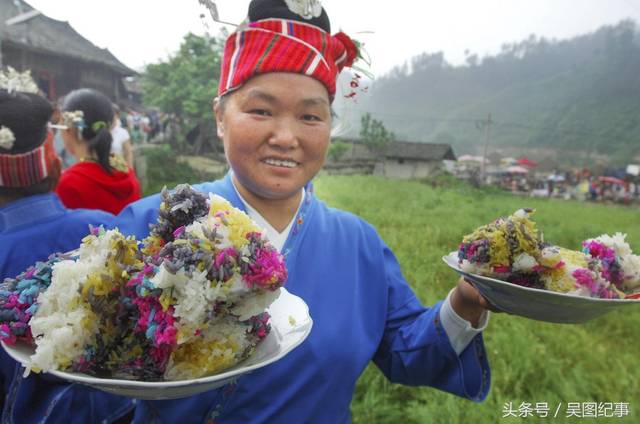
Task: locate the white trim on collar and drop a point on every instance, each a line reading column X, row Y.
column 276, row 238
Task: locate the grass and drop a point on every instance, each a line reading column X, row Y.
column 531, row 361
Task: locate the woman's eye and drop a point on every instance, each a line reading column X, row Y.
column 309, row 117
column 260, row 112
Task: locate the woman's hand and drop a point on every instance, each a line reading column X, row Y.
column 468, row 303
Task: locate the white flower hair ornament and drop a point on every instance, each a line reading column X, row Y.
column 6, row 138
column 213, row 10
column 306, row 8
column 73, row 119
column 12, row 80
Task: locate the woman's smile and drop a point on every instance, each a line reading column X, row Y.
column 281, row 163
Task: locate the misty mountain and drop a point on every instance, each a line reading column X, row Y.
column 581, row 94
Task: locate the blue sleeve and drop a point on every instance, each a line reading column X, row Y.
column 42, row 398
column 415, row 349
column 136, row 217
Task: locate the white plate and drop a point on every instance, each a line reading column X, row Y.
column 290, row 326
column 541, row 305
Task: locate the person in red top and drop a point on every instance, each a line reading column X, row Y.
column 99, row 180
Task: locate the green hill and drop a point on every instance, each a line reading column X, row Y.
column 581, row 94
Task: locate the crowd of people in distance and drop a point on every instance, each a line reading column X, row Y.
column 593, row 189
column 130, row 128
column 144, row 127
column 578, row 184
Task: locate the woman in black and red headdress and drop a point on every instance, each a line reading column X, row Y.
column 273, row 114
column 33, row 225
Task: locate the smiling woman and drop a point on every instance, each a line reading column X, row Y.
column 276, row 132
column 274, row 116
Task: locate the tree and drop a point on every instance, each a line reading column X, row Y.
column 374, row 134
column 186, row 83
column 337, row 149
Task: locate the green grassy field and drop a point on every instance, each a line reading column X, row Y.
column 531, row 361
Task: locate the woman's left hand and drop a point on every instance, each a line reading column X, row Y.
column 468, row 303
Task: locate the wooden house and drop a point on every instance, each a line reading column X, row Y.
column 400, row 159
column 60, row 59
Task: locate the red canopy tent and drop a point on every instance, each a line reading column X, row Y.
column 612, row 180
column 525, row 161
column 517, row 170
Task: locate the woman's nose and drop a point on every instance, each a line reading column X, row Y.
column 284, row 135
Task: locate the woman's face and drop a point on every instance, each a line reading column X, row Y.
column 69, row 139
column 276, row 131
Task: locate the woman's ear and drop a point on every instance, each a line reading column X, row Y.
column 218, row 112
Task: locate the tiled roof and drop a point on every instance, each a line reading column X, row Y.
column 423, row 151
column 409, row 150
column 46, row 34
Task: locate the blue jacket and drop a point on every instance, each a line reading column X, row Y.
column 31, row 229
column 363, row 310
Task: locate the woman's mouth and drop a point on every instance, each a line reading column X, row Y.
column 286, row 163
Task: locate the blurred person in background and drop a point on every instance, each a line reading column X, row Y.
column 100, row 180
column 121, row 143
column 66, row 158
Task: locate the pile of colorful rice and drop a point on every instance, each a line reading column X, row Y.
column 512, row 249
column 189, row 301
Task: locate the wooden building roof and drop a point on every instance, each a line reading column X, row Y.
column 419, row 151
column 29, row 29
column 407, row 150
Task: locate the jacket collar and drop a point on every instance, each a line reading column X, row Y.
column 30, row 210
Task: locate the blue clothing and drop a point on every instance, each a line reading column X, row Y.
column 363, row 310
column 31, row 229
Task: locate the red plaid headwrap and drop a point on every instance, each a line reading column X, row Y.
column 281, row 45
column 27, row 169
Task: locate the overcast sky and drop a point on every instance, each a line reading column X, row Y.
column 139, row 32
